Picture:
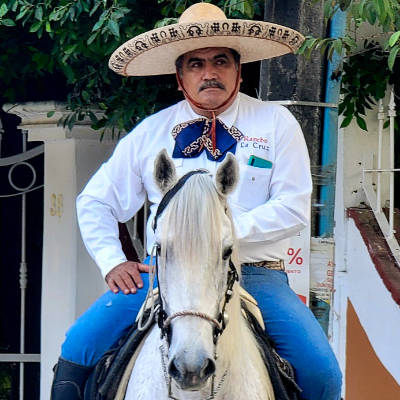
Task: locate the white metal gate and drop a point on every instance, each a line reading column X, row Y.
column 374, row 195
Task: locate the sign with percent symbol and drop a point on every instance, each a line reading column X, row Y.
column 297, row 264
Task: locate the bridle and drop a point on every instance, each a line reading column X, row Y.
column 164, row 320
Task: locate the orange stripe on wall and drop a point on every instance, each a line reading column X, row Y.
column 366, row 377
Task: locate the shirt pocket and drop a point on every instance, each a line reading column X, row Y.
column 253, row 187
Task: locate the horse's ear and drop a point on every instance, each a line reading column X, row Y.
column 164, row 171
column 227, row 175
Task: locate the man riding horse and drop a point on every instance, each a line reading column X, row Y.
column 269, row 205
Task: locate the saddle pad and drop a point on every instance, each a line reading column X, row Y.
column 123, row 385
column 252, row 306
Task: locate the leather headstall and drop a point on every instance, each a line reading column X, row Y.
column 233, row 276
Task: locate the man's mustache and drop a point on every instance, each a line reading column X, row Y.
column 211, row 84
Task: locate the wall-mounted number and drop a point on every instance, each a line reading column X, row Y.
column 56, row 205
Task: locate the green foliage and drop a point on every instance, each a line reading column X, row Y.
column 364, row 82
column 61, row 49
column 366, row 72
column 5, row 380
column 384, row 14
column 70, row 41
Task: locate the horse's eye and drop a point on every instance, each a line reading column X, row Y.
column 227, row 253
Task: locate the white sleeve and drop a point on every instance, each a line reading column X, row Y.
column 114, row 194
column 287, row 209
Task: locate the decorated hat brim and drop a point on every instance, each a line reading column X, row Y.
column 155, row 52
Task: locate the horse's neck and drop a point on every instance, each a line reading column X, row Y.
column 238, row 354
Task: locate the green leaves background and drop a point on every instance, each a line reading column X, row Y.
column 66, row 45
column 60, row 49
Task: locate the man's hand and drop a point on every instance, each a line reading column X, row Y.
column 126, row 277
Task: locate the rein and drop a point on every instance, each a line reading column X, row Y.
column 172, row 192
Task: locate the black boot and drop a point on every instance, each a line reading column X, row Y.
column 69, row 380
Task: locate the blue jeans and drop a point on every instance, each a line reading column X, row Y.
column 297, row 334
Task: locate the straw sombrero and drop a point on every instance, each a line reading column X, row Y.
column 202, row 25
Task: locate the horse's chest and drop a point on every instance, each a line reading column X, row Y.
column 148, row 381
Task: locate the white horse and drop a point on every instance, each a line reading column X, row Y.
column 202, row 355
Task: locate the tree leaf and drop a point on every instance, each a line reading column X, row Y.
column 361, row 123
column 35, row 27
column 341, row 108
column 94, row 9
column 39, row 13
column 113, row 27
column 99, row 23
column 392, row 56
column 85, row 95
column 3, row 10
column 7, row 22
column 40, row 32
column 380, row 8
column 249, row 8
column 371, row 15
column 92, row 38
column 394, row 38
column 330, row 52
column 346, row 122
column 71, row 13
column 93, row 117
column 389, row 9
column 55, row 15
column 165, row 21
column 22, row 13
column 70, row 49
column 50, row 113
column 338, row 45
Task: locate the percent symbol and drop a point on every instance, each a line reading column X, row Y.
column 295, row 256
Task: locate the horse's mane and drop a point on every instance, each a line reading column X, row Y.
column 192, row 224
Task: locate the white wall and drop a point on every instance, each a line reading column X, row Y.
column 356, row 150
column 379, row 314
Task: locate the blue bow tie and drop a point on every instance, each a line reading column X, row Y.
column 192, row 137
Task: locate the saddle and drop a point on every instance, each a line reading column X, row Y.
column 110, row 377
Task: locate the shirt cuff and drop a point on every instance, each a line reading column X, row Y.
column 107, row 259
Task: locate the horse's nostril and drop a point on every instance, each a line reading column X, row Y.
column 191, row 376
column 173, row 370
column 208, row 369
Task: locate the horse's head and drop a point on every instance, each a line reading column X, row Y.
column 195, row 237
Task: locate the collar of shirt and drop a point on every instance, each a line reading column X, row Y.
column 228, row 117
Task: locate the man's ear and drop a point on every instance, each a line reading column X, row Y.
column 164, row 171
column 178, row 81
column 227, row 175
